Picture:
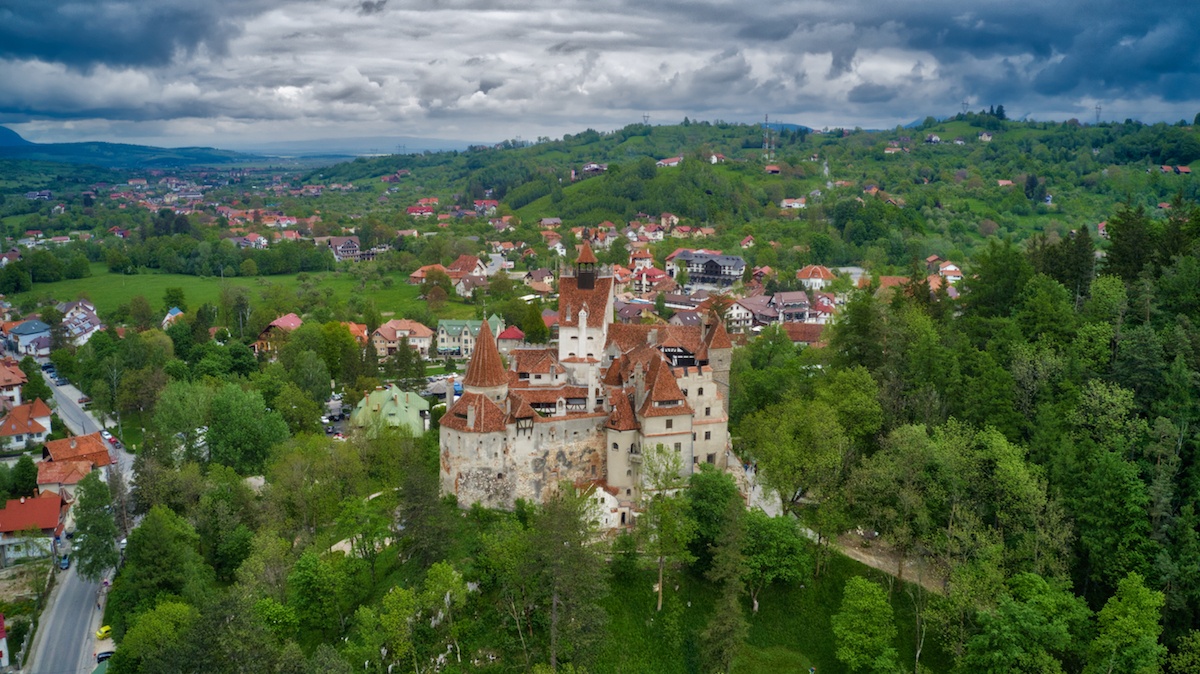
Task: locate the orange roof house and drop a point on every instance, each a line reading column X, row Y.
column 276, row 331
column 89, row 447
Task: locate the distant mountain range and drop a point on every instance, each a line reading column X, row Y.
column 116, row 155
column 123, row 155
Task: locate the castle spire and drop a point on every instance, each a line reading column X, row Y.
column 585, row 267
column 486, row 369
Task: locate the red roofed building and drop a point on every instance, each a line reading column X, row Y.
column 90, row 447
column 12, row 378
column 388, row 337
column 61, row 477
column 276, row 332
column 586, row 410
column 509, row 339
column 25, row 425
column 43, row 514
column 815, row 277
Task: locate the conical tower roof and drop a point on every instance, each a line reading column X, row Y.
column 586, row 256
column 485, row 370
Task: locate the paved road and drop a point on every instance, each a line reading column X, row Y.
column 65, row 640
column 68, row 628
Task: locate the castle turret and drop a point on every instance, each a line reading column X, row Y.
column 585, row 267
column 485, row 371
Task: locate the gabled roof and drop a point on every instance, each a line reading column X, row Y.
column 661, row 387
column 89, row 447
column 25, row 513
column 717, row 337
column 62, row 472
column 22, row 420
column 815, row 271
column 622, row 417
column 511, row 332
column 395, row 328
column 487, row 415
column 571, row 299
column 486, row 369
column 287, row 322
column 12, row 375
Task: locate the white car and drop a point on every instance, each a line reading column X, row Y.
column 106, row 435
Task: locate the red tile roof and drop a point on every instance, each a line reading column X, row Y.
column 390, row 329
column 511, row 332
column 22, row 420
column 488, row 417
column 486, row 369
column 62, row 472
column 24, row 513
column 661, row 387
column 287, row 322
column 815, row 271
column 571, row 300
column 586, row 256
column 81, row 447
column 11, row 375
column 622, row 417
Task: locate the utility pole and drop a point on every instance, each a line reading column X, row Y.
column 1097, row 114
column 964, row 106
column 645, row 118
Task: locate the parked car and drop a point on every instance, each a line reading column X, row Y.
column 329, row 430
column 47, row 366
column 104, row 632
column 83, row 400
column 108, row 437
column 59, row 381
column 65, row 562
column 103, row 655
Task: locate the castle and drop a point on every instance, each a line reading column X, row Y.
column 586, row 410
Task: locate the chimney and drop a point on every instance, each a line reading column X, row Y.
column 652, row 337
column 22, row 499
column 470, row 416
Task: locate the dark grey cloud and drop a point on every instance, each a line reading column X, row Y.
column 368, row 7
column 83, row 33
column 530, row 67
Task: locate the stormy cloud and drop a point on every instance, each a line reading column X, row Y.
column 488, row 69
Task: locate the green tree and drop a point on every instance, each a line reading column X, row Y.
column 313, row 585
column 774, row 552
column 864, row 628
column 994, row 285
column 173, row 297
column 179, row 417
column 151, row 644
column 800, row 448
column 708, row 495
column 1034, row 628
column 35, row 387
column 297, row 409
column 1186, row 658
column 23, row 479
column 241, row 431
column 311, row 375
column 400, row 608
column 162, row 558
column 722, row 638
column 1127, row 631
column 445, row 590
column 96, row 531
column 248, row 268
column 140, row 313
column 1131, row 243
column 570, row 576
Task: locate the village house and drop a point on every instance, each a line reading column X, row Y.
column 791, row 305
column 457, row 337
column 30, row 338
column 42, row 515
column 12, row 378
column 509, row 339
column 391, row 408
column 343, row 247
column 706, row 268
column 388, row 337
column 815, row 277
column 25, row 426
column 79, row 321
column 276, row 333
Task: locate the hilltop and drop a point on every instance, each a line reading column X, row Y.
column 116, row 155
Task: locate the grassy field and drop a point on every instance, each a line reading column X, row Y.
column 108, row 291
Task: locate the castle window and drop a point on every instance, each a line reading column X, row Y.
column 615, row 446
column 670, row 424
column 708, row 435
column 700, row 391
column 678, row 446
column 708, row 411
column 524, row 376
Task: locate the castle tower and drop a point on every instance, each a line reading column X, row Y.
column 485, row 371
column 720, row 356
column 585, row 268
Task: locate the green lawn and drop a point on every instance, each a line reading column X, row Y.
column 108, row 291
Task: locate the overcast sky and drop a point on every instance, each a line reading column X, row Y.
column 228, row 73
